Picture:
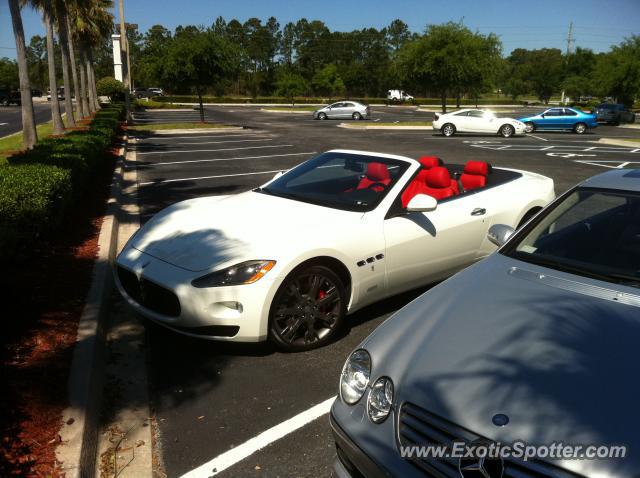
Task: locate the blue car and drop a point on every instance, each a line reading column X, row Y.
column 560, row 119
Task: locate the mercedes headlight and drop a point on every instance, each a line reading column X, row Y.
column 243, row 273
column 355, row 376
column 380, row 400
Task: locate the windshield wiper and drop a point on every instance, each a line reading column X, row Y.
column 276, row 193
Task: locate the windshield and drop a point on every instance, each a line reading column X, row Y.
column 346, row 181
column 592, row 232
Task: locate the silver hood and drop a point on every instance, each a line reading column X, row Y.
column 561, row 364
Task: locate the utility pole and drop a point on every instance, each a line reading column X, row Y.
column 125, row 43
column 570, row 41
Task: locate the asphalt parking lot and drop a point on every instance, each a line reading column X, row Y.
column 209, row 397
column 11, row 117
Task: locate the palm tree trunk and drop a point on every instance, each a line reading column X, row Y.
column 92, row 99
column 83, row 83
column 63, row 36
column 74, row 70
column 29, row 135
column 58, row 125
column 92, row 78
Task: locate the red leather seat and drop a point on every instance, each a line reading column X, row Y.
column 417, row 186
column 475, row 175
column 376, row 173
column 438, row 183
column 429, row 162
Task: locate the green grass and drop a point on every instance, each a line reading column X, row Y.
column 294, row 108
column 157, row 105
column 13, row 142
column 161, row 126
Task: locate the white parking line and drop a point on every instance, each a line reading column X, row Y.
column 197, row 136
column 229, row 141
column 212, row 150
column 537, row 137
column 248, row 448
column 229, row 159
column 210, row 177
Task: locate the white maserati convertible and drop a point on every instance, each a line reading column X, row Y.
column 476, row 121
column 289, row 260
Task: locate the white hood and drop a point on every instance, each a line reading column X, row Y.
column 218, row 231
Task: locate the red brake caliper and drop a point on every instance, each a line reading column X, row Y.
column 321, row 295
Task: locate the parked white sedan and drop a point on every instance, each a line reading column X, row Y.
column 476, row 121
column 288, row 260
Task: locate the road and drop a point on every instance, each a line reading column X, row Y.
column 11, row 117
column 210, row 397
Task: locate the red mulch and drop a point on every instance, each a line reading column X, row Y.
column 46, row 292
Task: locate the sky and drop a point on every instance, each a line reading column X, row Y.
column 597, row 24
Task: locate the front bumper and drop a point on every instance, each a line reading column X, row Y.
column 351, row 461
column 232, row 313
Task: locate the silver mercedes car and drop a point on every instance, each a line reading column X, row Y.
column 343, row 110
column 534, row 348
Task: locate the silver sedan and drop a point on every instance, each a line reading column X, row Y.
column 343, row 110
column 536, row 344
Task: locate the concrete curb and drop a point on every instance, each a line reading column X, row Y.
column 619, row 142
column 79, row 433
column 367, row 127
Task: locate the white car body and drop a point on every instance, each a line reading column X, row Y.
column 383, row 255
column 475, row 121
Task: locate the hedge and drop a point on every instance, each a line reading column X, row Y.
column 39, row 187
column 315, row 100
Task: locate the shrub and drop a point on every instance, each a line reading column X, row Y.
column 38, row 187
column 110, row 87
column 33, row 202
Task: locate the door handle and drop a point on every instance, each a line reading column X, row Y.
column 479, row 211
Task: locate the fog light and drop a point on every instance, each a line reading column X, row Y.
column 380, row 400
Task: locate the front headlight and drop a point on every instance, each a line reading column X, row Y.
column 380, row 400
column 355, row 376
column 243, row 273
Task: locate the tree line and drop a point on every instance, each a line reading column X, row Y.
column 449, row 60
column 80, row 27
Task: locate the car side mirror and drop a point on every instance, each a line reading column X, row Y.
column 499, row 234
column 422, row 203
column 542, row 115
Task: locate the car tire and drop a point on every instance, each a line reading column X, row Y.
column 529, row 127
column 448, row 129
column 4, row 102
column 356, row 116
column 308, row 309
column 322, row 116
column 506, row 131
column 580, row 128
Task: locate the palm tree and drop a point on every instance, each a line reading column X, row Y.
column 47, row 13
column 29, row 135
column 74, row 69
column 63, row 36
column 93, row 23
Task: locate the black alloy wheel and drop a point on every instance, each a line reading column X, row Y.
column 308, row 309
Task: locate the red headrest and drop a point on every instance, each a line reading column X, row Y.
column 377, row 172
column 429, row 162
column 438, row 178
column 422, row 175
column 477, row 167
